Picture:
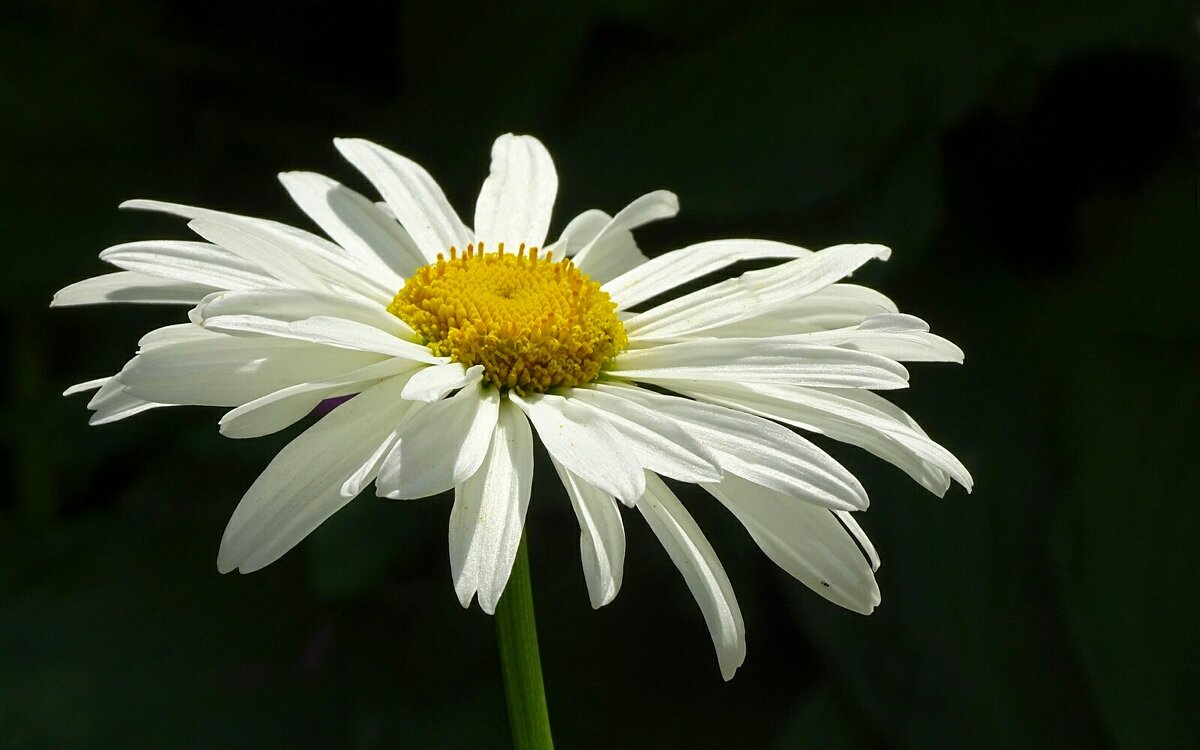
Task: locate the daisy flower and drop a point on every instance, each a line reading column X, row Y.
column 458, row 344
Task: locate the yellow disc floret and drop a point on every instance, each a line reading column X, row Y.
column 533, row 323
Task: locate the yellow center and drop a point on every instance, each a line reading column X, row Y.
column 533, row 323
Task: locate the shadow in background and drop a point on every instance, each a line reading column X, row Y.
column 1032, row 169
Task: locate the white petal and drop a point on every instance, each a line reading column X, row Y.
column 86, row 386
column 489, row 513
column 372, row 238
column 898, row 337
column 660, row 443
column 701, row 569
column 894, row 322
column 301, row 263
column 178, row 333
column 441, row 445
column 601, row 537
column 311, row 478
column 292, row 255
column 282, row 408
column 752, row 293
column 588, row 446
column 214, row 369
column 615, row 254
column 289, row 305
column 808, row 542
column 852, row 416
column 678, row 267
column 518, row 195
column 334, row 332
column 418, row 202
column 757, row 449
column 835, row 306
column 313, row 317
column 860, row 536
column 938, row 455
column 113, row 403
column 128, row 286
column 661, row 204
column 261, row 255
column 192, row 262
column 361, row 477
column 777, row 359
column 839, row 305
column 579, row 232
column 904, row 338
column 434, row 382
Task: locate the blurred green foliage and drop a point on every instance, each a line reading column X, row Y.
column 1028, row 162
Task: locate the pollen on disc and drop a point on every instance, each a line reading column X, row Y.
column 532, row 322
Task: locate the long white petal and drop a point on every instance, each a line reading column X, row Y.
column 678, row 267
column 860, row 536
column 373, row 239
column 282, row 408
column 808, row 542
column 579, row 232
column 84, row 387
column 312, row 478
column 334, row 332
column 442, row 445
column 289, row 305
column 757, row 449
column 518, row 195
column 489, row 513
column 701, row 569
column 856, row 417
column 904, row 338
column 414, row 196
column 298, row 258
column 191, row 262
column 113, row 403
column 129, row 287
column 601, row 537
column 588, row 446
column 291, row 255
column 312, row 317
column 661, row 444
column 835, row 306
column 620, row 253
column 214, row 369
column 288, row 253
column 616, row 253
column 178, row 333
column 434, row 382
column 752, row 293
column 777, row 359
column 661, row 204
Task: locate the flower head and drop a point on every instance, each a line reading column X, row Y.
column 459, row 344
column 532, row 324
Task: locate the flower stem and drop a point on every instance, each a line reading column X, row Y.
column 516, row 631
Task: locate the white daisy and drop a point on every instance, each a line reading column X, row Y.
column 460, row 343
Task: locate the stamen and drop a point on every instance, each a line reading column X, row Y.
column 533, row 323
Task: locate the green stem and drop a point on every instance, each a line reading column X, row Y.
column 516, row 631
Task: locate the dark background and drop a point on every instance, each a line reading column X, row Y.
column 1031, row 165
